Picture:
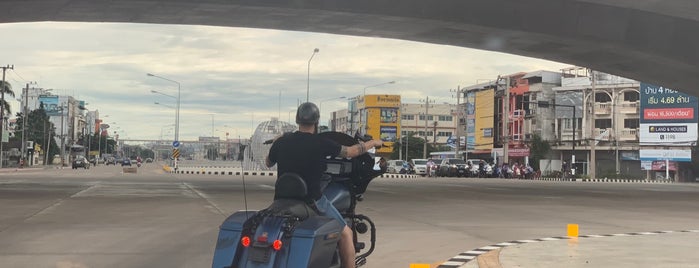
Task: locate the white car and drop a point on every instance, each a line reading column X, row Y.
column 420, row 166
column 394, row 166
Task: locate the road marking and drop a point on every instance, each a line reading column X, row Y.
column 205, row 197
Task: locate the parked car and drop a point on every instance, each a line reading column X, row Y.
column 394, row 166
column 420, row 166
column 452, row 167
column 126, row 162
column 110, row 161
column 80, row 161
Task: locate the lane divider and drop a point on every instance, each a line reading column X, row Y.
column 465, row 257
column 605, row 180
column 223, row 171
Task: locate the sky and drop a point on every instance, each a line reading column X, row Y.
column 231, row 78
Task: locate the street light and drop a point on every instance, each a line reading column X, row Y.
column 321, row 104
column 177, row 113
column 391, row 82
column 308, row 79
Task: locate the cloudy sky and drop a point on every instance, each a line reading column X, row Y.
column 231, row 75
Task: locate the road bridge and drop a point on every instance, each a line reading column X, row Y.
column 648, row 40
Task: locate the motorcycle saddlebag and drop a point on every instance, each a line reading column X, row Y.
column 229, row 238
column 314, row 241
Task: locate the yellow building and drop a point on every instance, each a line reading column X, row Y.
column 379, row 116
column 484, row 115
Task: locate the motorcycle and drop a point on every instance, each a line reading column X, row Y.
column 290, row 233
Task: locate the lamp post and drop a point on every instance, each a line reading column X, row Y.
column 386, row 83
column 321, row 104
column 308, row 78
column 177, row 113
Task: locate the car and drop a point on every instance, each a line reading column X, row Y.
column 394, row 166
column 149, row 160
column 420, row 166
column 126, row 162
column 80, row 161
column 452, row 167
column 110, row 161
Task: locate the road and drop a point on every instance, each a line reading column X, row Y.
column 104, row 218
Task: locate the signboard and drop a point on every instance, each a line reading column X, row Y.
column 668, row 117
column 388, row 133
column 175, row 144
column 389, row 115
column 672, row 155
column 50, row 104
column 518, row 152
column 658, row 165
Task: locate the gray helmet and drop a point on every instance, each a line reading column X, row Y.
column 307, row 114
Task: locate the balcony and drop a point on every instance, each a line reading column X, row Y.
column 567, row 135
column 628, row 134
column 629, row 107
column 604, row 108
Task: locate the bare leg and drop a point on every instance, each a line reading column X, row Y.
column 347, row 248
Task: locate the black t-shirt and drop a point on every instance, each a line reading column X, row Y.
column 304, row 154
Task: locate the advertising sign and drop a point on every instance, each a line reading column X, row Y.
column 388, row 133
column 658, row 165
column 672, row 155
column 389, row 115
column 668, row 117
column 50, row 104
column 484, row 123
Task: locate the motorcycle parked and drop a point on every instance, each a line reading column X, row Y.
column 290, row 233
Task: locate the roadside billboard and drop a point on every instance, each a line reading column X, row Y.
column 668, row 117
column 50, row 104
column 484, row 121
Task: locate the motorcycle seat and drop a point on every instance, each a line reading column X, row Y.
column 290, row 197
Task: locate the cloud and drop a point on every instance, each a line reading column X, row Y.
column 236, row 74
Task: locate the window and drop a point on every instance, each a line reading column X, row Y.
column 603, row 123
column 631, row 96
column 443, row 134
column 631, row 123
column 429, row 117
column 408, row 117
column 602, row 97
column 568, row 123
column 446, row 118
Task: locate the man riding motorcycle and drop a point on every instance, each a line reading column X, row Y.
column 304, row 153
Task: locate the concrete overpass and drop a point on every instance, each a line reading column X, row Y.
column 649, row 40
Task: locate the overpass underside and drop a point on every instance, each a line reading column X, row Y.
column 647, row 40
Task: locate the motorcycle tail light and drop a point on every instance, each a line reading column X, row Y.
column 245, row 241
column 277, row 245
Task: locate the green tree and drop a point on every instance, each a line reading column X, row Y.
column 39, row 130
column 538, row 149
column 414, row 148
column 7, row 89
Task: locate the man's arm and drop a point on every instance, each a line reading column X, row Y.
column 359, row 149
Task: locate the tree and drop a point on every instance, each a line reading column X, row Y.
column 538, row 150
column 39, row 130
column 7, row 89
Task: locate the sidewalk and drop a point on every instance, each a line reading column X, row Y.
column 644, row 249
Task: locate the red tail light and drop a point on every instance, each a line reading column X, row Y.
column 245, row 241
column 277, row 245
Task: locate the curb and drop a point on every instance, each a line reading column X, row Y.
column 465, row 257
column 203, row 171
column 604, row 180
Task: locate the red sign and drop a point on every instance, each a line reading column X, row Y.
column 518, row 152
column 668, row 113
column 660, row 166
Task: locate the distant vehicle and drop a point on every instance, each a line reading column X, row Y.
column 453, row 167
column 394, row 166
column 110, row 161
column 420, row 166
column 474, row 167
column 80, row 161
column 126, row 162
column 149, row 160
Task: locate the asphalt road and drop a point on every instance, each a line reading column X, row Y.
column 104, row 218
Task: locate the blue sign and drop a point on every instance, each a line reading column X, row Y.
column 175, row 144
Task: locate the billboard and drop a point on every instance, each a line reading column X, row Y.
column 50, row 104
column 388, row 134
column 668, row 117
column 672, row 155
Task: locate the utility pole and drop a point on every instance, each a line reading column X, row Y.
column 24, row 122
column 506, row 123
column 2, row 108
column 427, row 111
column 592, row 128
column 63, row 147
column 458, row 122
